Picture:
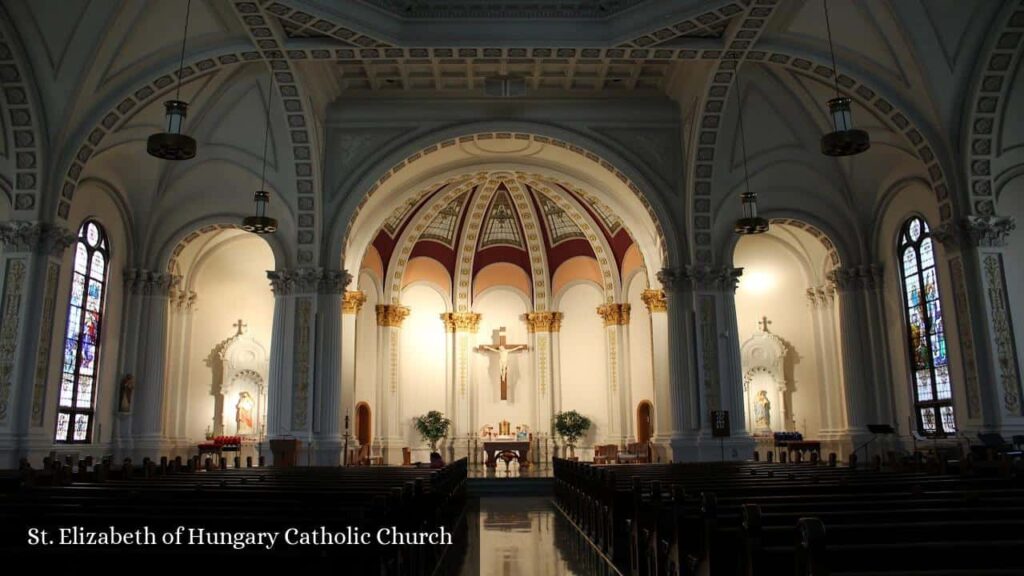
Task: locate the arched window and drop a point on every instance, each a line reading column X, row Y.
column 926, row 336
column 82, row 336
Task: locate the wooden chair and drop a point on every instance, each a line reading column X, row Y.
column 365, row 458
column 605, row 453
column 406, row 456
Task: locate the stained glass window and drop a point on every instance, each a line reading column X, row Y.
column 926, row 337
column 79, row 368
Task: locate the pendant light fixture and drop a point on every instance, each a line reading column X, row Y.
column 260, row 223
column 844, row 140
column 750, row 222
column 172, row 144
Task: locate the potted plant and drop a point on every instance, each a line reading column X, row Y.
column 433, row 426
column 571, row 426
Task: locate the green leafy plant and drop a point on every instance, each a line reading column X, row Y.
column 433, row 427
column 571, row 426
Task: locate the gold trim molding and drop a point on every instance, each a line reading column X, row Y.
column 654, row 300
column 391, row 315
column 353, row 302
column 543, row 322
column 614, row 314
column 461, row 321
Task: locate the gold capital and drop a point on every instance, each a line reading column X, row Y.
column 614, row 314
column 391, row 315
column 543, row 322
column 353, row 302
column 654, row 300
column 461, row 321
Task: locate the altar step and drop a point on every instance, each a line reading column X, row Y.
column 511, row 486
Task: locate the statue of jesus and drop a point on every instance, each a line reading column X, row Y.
column 503, row 349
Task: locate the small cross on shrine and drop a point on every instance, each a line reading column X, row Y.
column 240, row 326
column 763, row 324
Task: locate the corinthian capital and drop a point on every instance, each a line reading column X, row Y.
column 41, row 237
column 614, row 314
column 856, row 277
column 150, row 282
column 985, row 231
column 700, row 277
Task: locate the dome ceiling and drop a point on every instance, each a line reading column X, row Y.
column 533, row 224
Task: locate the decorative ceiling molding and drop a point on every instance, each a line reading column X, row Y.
column 701, row 170
column 21, row 108
column 270, row 40
column 833, row 254
column 126, row 107
column 988, row 103
column 443, row 9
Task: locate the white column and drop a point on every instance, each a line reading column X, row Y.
column 389, row 322
column 151, row 437
column 279, row 377
column 657, row 306
column 459, row 330
column 830, row 375
column 616, row 328
column 351, row 305
column 739, row 445
column 683, row 397
column 327, row 395
column 857, row 362
column 543, row 328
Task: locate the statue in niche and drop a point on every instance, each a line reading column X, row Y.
column 243, row 413
column 127, row 387
column 762, row 410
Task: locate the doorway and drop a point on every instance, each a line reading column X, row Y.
column 363, row 423
column 644, row 425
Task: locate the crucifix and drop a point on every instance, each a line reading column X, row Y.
column 241, row 327
column 764, row 323
column 503, row 349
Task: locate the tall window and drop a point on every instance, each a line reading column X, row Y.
column 82, row 337
column 929, row 363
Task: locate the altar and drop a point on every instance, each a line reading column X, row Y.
column 492, row 448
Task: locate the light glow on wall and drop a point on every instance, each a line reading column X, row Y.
column 758, row 281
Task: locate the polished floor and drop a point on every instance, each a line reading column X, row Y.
column 525, row 536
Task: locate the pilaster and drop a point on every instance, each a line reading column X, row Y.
column 975, row 250
column 616, row 329
column 459, row 330
column 543, row 328
column 29, row 274
column 389, row 333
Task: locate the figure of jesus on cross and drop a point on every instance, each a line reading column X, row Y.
column 503, row 349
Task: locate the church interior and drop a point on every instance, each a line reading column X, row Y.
column 536, row 287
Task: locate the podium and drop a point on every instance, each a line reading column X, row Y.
column 285, row 451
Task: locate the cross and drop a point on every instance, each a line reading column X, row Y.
column 764, row 323
column 241, row 327
column 503, row 349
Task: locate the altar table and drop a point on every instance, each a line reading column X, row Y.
column 492, row 448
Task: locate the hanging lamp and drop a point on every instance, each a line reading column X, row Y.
column 750, row 222
column 260, row 223
column 844, row 140
column 172, row 144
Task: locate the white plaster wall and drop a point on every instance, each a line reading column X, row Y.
column 1011, row 203
column 231, row 283
column 584, row 377
column 641, row 362
column 774, row 284
column 910, row 200
column 422, row 358
column 103, row 205
column 366, row 348
column 503, row 306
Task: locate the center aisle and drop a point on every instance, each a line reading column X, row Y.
column 525, row 536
